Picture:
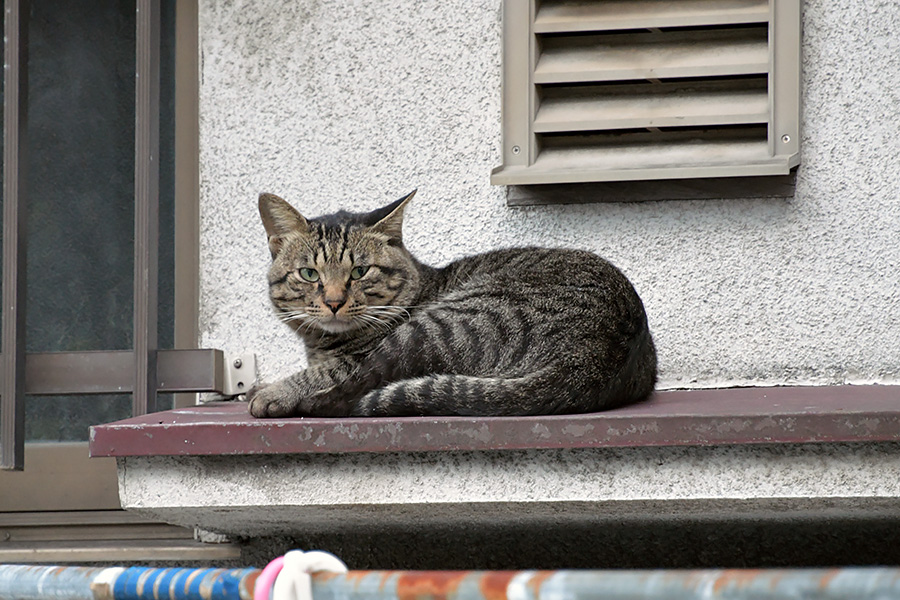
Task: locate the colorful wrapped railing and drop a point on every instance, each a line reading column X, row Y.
column 21, row 582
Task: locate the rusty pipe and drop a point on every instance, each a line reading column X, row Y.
column 736, row 584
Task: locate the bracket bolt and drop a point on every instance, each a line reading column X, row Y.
column 237, row 363
column 785, row 138
column 516, row 149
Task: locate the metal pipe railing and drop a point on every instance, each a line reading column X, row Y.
column 28, row 582
column 24, row 582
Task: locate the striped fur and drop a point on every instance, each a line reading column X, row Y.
column 521, row 331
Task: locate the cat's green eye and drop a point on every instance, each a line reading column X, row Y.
column 310, row 275
column 358, row 272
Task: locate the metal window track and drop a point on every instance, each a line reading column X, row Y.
column 116, row 551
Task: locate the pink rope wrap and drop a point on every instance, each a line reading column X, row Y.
column 266, row 579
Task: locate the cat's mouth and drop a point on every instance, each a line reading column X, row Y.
column 336, row 324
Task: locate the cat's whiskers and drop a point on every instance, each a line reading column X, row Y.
column 307, row 321
column 368, row 325
column 294, row 315
column 389, row 309
column 387, row 319
column 308, row 325
column 375, row 319
column 374, row 323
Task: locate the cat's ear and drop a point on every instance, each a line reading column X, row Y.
column 389, row 220
column 279, row 218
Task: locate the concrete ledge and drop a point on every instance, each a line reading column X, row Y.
column 215, row 468
column 265, row 495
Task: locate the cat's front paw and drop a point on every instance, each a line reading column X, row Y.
column 270, row 400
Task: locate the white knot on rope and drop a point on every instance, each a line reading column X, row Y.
column 294, row 581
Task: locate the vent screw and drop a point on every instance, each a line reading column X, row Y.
column 785, row 138
column 516, row 149
column 238, row 363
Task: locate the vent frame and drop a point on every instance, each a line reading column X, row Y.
column 532, row 139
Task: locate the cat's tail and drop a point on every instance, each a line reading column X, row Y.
column 532, row 394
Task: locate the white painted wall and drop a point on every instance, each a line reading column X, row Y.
column 352, row 103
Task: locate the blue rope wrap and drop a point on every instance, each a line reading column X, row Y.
column 143, row 583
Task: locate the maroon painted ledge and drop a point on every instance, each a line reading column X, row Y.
column 670, row 418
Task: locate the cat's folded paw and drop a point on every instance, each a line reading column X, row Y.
column 269, row 401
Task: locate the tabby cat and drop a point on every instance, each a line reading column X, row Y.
column 527, row 331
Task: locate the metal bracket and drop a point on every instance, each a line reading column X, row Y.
column 240, row 373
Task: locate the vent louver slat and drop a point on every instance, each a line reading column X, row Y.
column 555, row 16
column 653, row 55
column 646, row 89
column 700, row 151
column 652, row 105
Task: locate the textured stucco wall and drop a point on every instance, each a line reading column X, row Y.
column 339, row 103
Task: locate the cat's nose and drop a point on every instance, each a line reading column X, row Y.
column 334, row 305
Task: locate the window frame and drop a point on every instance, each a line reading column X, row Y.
column 91, row 484
column 59, row 504
column 144, row 370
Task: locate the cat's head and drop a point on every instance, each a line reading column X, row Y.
column 339, row 273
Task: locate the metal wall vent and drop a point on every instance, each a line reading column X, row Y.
column 623, row 90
